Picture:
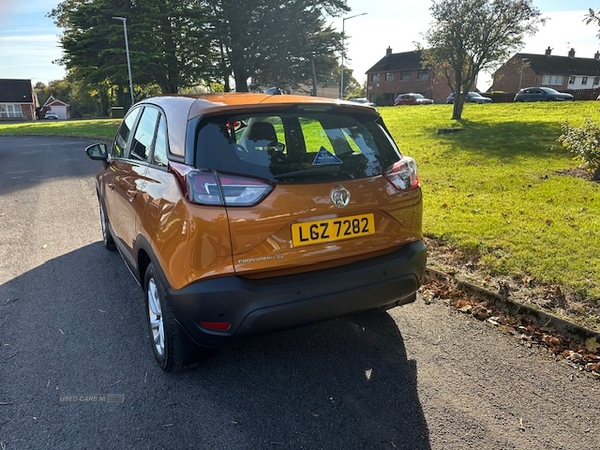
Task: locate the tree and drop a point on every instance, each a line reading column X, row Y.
column 355, row 89
column 593, row 17
column 169, row 42
column 469, row 36
column 274, row 41
column 177, row 44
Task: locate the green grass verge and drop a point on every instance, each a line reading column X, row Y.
column 500, row 190
column 102, row 128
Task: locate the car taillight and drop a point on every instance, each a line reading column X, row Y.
column 207, row 187
column 403, row 174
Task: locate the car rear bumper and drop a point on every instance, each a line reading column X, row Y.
column 260, row 306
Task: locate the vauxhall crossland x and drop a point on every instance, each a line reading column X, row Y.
column 242, row 214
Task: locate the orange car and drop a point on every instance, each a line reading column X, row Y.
column 242, row 214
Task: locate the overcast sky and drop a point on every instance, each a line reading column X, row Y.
column 29, row 40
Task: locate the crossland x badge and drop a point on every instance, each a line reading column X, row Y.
column 340, row 196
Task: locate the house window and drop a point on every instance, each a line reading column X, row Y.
column 389, row 76
column 555, row 80
column 9, row 110
column 405, row 76
column 571, row 79
column 584, row 80
column 596, row 81
column 423, row 75
column 375, row 78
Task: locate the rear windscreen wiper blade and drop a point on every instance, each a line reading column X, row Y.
column 307, row 173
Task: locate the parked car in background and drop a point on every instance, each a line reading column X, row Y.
column 472, row 97
column 242, row 214
column 51, row 116
column 541, row 94
column 412, row 99
column 361, row 100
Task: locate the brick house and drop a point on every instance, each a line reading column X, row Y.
column 558, row 72
column 400, row 73
column 17, row 100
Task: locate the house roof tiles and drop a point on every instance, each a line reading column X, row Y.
column 16, row 91
column 562, row 65
column 398, row 61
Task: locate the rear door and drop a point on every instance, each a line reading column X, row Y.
column 119, row 166
column 128, row 178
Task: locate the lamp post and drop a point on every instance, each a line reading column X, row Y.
column 124, row 20
column 343, row 49
column 523, row 60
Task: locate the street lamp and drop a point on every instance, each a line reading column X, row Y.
column 124, row 20
column 343, row 48
column 523, row 60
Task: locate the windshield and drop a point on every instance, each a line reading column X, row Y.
column 296, row 146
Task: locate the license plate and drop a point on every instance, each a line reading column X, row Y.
column 330, row 230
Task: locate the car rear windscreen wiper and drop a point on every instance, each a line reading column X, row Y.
column 308, row 173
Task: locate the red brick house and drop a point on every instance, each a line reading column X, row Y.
column 400, row 73
column 17, row 100
column 558, row 72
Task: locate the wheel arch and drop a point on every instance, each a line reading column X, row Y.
column 144, row 256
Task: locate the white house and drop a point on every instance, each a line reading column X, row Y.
column 56, row 106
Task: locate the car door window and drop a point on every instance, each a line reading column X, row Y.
column 144, row 135
column 160, row 146
column 119, row 148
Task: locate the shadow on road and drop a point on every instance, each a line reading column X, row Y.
column 28, row 161
column 75, row 326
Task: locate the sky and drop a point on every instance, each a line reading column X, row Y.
column 29, row 40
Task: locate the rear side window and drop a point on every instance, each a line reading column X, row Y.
column 119, row 149
column 144, row 134
column 160, row 146
column 296, row 147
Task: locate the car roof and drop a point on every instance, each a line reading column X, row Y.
column 179, row 109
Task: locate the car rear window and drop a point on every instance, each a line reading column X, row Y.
column 297, row 146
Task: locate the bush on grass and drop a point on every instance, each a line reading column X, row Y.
column 584, row 143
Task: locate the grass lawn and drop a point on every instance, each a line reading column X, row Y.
column 103, row 128
column 502, row 193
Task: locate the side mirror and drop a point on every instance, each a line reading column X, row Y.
column 98, row 152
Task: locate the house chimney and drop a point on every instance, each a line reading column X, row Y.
column 572, row 53
column 597, row 56
column 548, row 51
column 388, row 51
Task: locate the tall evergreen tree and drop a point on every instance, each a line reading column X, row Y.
column 168, row 41
column 274, row 41
column 176, row 44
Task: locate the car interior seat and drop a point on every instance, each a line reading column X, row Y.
column 262, row 136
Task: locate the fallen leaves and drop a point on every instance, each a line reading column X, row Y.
column 591, row 345
column 581, row 354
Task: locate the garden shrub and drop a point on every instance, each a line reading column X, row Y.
column 584, row 143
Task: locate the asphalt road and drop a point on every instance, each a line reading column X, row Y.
column 77, row 372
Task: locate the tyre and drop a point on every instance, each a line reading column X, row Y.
column 173, row 349
column 107, row 238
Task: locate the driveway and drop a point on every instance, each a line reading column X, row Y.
column 76, row 368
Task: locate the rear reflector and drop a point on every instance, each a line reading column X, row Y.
column 220, row 326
